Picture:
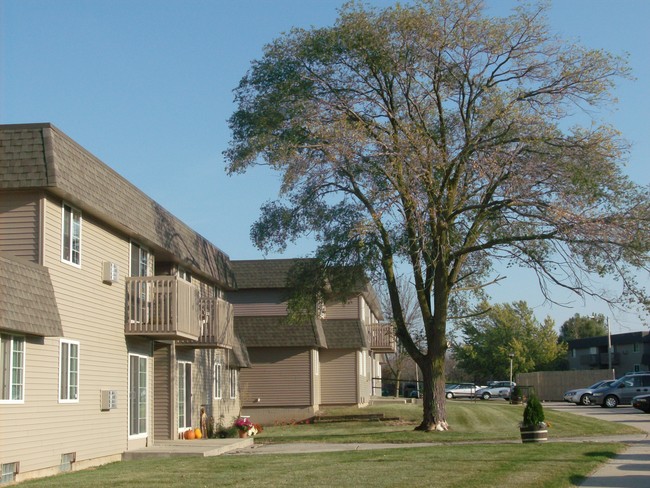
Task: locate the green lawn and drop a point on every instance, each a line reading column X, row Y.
column 499, row 465
column 469, row 421
column 554, row 464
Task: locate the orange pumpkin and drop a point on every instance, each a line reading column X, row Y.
column 189, row 434
column 197, row 433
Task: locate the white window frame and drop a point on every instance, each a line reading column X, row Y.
column 140, row 387
column 13, row 375
column 217, row 381
column 67, row 371
column 233, row 383
column 185, row 394
column 316, row 359
column 71, row 235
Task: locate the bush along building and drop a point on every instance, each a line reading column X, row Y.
column 115, row 330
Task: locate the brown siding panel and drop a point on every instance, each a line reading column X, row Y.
column 347, row 310
column 162, row 410
column 338, row 376
column 278, row 377
column 19, row 225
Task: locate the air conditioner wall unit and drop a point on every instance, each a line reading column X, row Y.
column 110, row 273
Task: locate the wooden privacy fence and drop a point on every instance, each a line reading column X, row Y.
column 550, row 386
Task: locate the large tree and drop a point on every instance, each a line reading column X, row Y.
column 487, row 340
column 580, row 326
column 432, row 138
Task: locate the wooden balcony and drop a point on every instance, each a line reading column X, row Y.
column 382, row 338
column 162, row 307
column 216, row 325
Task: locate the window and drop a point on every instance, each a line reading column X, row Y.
column 137, row 394
column 139, row 260
column 637, row 368
column 12, row 359
column 184, row 395
column 184, row 275
column 217, row 381
column 233, row 383
column 362, row 364
column 71, row 235
column 67, row 460
column 69, row 371
column 635, row 347
column 9, row 472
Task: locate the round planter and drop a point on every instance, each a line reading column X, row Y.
column 242, row 433
column 533, row 434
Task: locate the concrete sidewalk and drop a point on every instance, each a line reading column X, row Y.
column 631, row 468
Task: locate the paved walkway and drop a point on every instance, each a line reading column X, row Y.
column 631, row 468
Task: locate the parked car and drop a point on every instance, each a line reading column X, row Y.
column 642, row 402
column 497, row 389
column 581, row 396
column 467, row 390
column 622, row 391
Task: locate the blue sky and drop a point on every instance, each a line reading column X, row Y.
column 146, row 86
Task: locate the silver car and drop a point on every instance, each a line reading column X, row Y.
column 581, row 396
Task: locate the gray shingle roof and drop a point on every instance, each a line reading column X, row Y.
column 27, row 302
column 41, row 156
column 240, row 353
column 270, row 331
column 344, row 334
column 263, row 273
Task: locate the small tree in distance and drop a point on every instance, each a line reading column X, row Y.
column 486, row 341
column 580, row 326
column 431, row 138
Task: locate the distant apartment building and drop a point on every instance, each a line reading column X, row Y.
column 115, row 329
column 630, row 352
column 331, row 358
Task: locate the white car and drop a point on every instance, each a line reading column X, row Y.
column 581, row 396
column 461, row 390
column 496, row 389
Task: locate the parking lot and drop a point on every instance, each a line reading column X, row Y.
column 622, row 413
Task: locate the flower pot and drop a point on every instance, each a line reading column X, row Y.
column 242, row 433
column 535, row 433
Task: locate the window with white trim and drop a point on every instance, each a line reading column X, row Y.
column 233, row 383
column 71, row 235
column 217, row 381
column 69, row 371
column 137, row 394
column 12, row 366
column 184, row 395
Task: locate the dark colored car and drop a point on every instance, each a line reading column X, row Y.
column 622, row 391
column 642, row 402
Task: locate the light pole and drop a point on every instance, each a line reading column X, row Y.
column 511, row 355
column 609, row 349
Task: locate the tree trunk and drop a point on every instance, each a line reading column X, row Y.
column 434, row 414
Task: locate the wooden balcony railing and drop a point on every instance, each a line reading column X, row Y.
column 216, row 324
column 162, row 307
column 382, row 338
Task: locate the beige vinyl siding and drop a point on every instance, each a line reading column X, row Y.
column 338, row 372
column 19, row 224
column 278, row 377
column 347, row 310
column 249, row 303
column 92, row 313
